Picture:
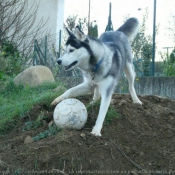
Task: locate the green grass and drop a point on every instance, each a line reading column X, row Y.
column 110, row 116
column 15, row 102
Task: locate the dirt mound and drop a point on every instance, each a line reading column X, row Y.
column 140, row 142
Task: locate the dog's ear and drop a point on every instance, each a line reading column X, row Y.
column 79, row 34
column 70, row 33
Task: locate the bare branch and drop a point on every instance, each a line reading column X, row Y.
column 17, row 21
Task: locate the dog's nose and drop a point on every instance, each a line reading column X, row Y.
column 59, row 61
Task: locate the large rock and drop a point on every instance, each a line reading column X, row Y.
column 34, row 76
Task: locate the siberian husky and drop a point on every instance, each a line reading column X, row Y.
column 102, row 62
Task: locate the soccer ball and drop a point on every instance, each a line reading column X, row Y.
column 70, row 114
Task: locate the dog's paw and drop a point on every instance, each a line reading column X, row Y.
column 96, row 132
column 138, row 102
column 56, row 101
column 92, row 102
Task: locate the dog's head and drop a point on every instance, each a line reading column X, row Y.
column 77, row 50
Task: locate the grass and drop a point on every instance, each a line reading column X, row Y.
column 110, row 116
column 15, row 102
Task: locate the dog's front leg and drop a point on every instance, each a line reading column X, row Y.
column 106, row 89
column 105, row 101
column 81, row 89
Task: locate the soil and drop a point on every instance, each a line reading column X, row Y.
column 140, row 142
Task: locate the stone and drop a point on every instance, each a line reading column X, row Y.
column 34, row 76
column 82, row 135
column 141, row 153
column 28, row 140
column 59, row 88
column 50, row 123
column 122, row 102
column 113, row 101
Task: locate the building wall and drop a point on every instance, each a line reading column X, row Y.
column 52, row 12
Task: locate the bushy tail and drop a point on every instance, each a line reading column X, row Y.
column 130, row 28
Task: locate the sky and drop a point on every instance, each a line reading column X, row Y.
column 165, row 9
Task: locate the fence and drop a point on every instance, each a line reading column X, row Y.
column 161, row 86
column 45, row 54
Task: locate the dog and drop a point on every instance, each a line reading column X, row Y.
column 102, row 62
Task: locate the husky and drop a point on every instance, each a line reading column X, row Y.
column 102, row 62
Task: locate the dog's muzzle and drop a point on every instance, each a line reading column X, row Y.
column 71, row 65
column 59, row 62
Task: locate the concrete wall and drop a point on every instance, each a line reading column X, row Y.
column 162, row 86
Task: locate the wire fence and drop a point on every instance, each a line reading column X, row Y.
column 46, row 52
column 48, row 49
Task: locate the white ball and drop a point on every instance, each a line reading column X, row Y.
column 70, row 114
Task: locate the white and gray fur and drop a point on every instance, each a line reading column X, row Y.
column 113, row 50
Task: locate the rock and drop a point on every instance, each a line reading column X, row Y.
column 46, row 156
column 134, row 173
column 59, row 88
column 28, row 140
column 171, row 118
column 50, row 123
column 122, row 102
column 82, row 135
column 113, row 101
column 141, row 153
column 34, row 76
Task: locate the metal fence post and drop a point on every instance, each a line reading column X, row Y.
column 59, row 44
column 154, row 36
column 35, row 61
column 45, row 54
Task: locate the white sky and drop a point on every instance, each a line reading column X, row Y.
column 120, row 8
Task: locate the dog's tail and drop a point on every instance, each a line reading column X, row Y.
column 130, row 28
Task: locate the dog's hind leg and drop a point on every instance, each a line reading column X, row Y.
column 130, row 74
column 96, row 95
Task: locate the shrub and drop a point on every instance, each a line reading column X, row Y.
column 10, row 61
column 169, row 68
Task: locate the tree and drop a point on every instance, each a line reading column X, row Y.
column 142, row 45
column 73, row 21
column 16, row 25
column 141, row 38
column 146, row 51
column 172, row 56
column 168, row 64
column 93, row 30
column 17, row 35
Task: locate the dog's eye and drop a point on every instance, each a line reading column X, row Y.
column 71, row 50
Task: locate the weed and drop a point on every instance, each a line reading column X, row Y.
column 35, row 124
column 110, row 116
column 53, row 130
column 17, row 171
column 31, row 125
